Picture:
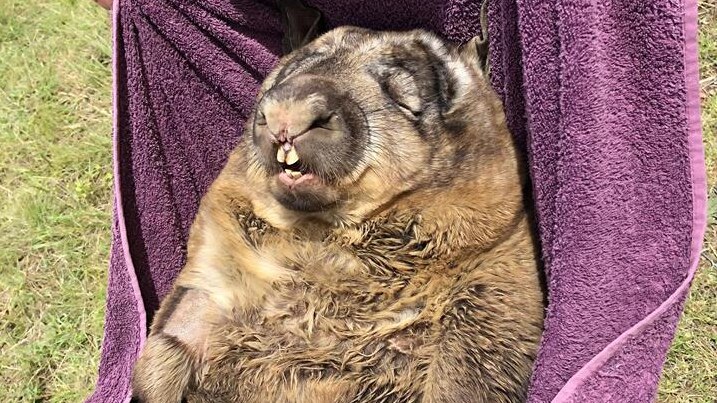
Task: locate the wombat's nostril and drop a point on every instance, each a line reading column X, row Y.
column 283, row 135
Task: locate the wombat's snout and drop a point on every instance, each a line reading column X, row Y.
column 307, row 127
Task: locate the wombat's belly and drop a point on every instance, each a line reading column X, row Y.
column 363, row 339
column 312, row 343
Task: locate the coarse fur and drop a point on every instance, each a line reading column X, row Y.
column 402, row 269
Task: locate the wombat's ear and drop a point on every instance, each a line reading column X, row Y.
column 301, row 24
column 476, row 51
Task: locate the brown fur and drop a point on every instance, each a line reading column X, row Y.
column 418, row 282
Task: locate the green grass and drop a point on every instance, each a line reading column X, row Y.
column 55, row 181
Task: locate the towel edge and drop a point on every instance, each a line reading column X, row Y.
column 122, row 228
column 699, row 205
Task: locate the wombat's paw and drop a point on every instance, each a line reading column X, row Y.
column 164, row 371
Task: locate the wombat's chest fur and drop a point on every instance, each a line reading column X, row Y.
column 375, row 315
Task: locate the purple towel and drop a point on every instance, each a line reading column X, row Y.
column 603, row 94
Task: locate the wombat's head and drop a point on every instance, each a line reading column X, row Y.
column 357, row 118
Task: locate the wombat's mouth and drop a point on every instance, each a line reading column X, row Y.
column 293, row 171
column 299, row 187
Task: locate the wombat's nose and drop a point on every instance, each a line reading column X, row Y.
column 288, row 119
column 295, row 109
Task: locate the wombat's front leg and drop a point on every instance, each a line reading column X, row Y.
column 171, row 359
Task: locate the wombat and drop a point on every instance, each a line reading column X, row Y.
column 369, row 240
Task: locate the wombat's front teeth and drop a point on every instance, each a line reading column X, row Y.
column 293, row 174
column 292, row 157
column 289, row 158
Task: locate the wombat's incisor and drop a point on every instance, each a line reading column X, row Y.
column 367, row 241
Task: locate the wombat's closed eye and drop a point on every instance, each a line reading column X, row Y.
column 367, row 241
